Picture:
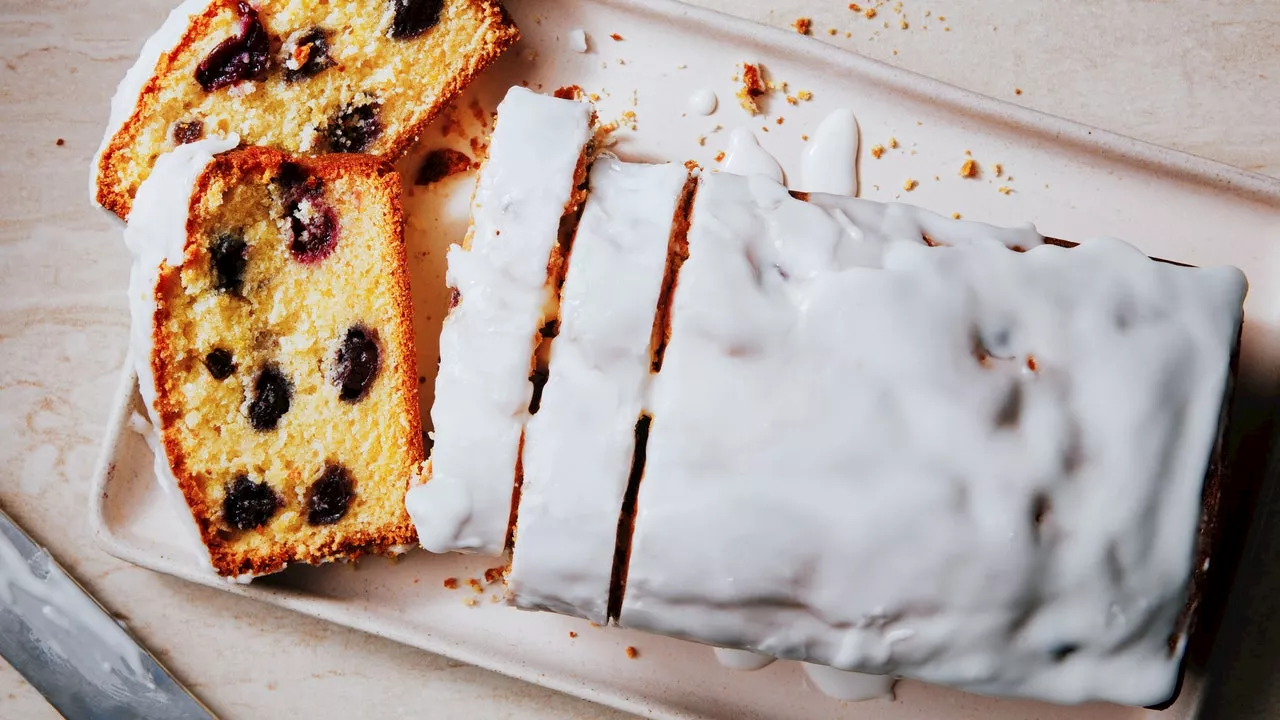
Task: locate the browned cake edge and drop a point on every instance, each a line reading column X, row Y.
column 386, row 185
column 502, row 35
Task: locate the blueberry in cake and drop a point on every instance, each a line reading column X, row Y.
column 356, row 76
column 274, row 347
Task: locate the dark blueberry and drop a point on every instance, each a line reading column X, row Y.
column 440, row 164
column 220, row 363
column 313, row 227
column 356, row 365
column 414, row 17
column 291, row 176
column 271, row 396
column 354, row 128
column 248, row 504
column 306, row 55
column 185, row 133
column 243, row 56
column 229, row 255
column 329, row 497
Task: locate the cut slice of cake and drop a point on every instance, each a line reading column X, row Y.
column 892, row 443
column 505, row 278
column 578, row 448
column 351, row 76
column 273, row 340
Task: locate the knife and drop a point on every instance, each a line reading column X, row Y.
column 71, row 649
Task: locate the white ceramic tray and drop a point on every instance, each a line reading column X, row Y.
column 1075, row 182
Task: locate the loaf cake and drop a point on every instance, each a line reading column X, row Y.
column 891, row 443
column 505, row 277
column 356, row 76
column 579, row 445
column 273, row 341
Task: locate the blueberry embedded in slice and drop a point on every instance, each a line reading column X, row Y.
column 329, row 498
column 185, row 133
column 414, row 17
column 306, row 54
column 243, row 56
column 354, row 128
column 220, row 364
column 356, row 365
column 249, row 505
column 229, row 256
column 313, row 227
column 272, row 394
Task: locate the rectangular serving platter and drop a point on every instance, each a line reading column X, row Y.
column 1075, row 182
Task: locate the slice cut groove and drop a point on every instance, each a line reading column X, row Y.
column 627, row 519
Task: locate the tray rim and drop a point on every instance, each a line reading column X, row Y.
column 1256, row 187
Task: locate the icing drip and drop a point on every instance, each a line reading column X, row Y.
column 831, row 160
column 482, row 389
column 578, row 448
column 849, row 686
column 1008, row 446
column 703, row 102
column 746, row 157
column 742, row 659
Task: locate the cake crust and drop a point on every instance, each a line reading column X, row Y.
column 114, row 189
column 229, row 557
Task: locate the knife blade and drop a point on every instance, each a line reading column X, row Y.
column 71, row 649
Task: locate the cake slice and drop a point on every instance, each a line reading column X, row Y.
column 505, row 277
column 273, row 341
column 578, row 448
column 350, row 76
column 892, row 443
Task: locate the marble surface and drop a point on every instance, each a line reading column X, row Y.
column 1197, row 76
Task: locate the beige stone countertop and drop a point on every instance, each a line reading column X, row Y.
column 1195, row 75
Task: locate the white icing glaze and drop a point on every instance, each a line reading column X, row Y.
column 743, row 660
column 63, row 616
column 703, row 102
column 831, row 159
column 578, row 447
column 482, row 389
column 849, row 686
column 578, row 40
column 833, row 476
column 125, row 101
column 156, row 235
column 746, row 157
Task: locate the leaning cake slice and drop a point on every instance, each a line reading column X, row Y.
column 505, row 278
column 357, row 76
column 274, row 349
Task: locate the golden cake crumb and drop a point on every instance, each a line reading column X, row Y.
column 804, row 95
column 904, row 24
column 855, row 7
column 616, row 37
column 495, row 599
column 805, row 138
column 702, row 140
column 999, row 170
column 720, row 156
column 955, row 216
column 968, row 153
column 1004, row 190
column 869, row 12
column 877, row 151
column 691, row 165
column 803, row 25
column 753, row 86
column 909, row 185
column 476, row 585
column 470, row 602
column 969, row 169
column 780, row 120
column 832, row 31
column 451, row 583
column 893, row 142
column 493, row 575
column 1017, row 91
column 632, row 653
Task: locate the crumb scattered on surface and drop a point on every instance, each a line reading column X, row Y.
column 1004, row 190
column 594, row 625
column 632, row 653
column 804, row 95
column 780, row 120
column 493, row 575
column 476, row 585
column 969, row 169
column 805, row 138
column 968, row 153
column 999, row 169
column 869, row 12
column 803, row 25
column 569, row 92
column 720, row 156
column 909, row 185
column 702, row 139
column 616, row 37
column 753, row 86
column 893, row 142
column 955, row 216
column 494, row 599
column 855, row 7
column 1017, row 91
column 451, row 583
column 60, row 142
column 877, row 151
column 470, row 602
column 904, row 25
column 440, row 164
